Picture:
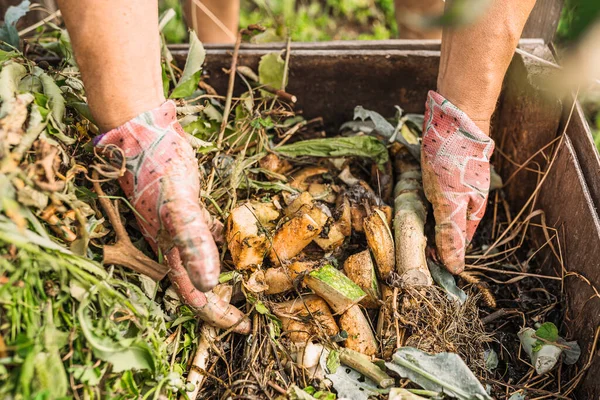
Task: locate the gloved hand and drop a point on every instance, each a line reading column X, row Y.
column 455, row 156
column 163, row 185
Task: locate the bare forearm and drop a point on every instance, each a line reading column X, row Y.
column 117, row 47
column 475, row 58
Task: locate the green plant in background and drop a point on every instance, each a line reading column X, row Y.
column 304, row 20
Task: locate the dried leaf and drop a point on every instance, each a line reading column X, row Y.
column 442, row 372
column 491, row 359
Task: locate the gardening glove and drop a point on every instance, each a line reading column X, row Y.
column 162, row 183
column 455, row 157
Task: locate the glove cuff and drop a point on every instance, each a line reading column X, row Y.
column 144, row 128
column 444, row 120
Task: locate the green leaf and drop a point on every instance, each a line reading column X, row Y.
column 446, row 281
column 387, row 130
column 271, row 70
column 333, row 361
column 123, row 355
column 192, row 70
column 354, row 146
column 548, row 331
column 56, row 101
column 10, row 76
column 8, row 31
column 442, row 372
column 261, row 308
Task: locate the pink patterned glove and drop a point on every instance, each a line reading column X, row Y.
column 163, row 184
column 455, row 158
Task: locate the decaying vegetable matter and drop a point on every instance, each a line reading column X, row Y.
column 329, row 283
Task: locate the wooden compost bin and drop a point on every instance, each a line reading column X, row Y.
column 330, row 79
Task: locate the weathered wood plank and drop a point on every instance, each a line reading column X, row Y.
column 543, row 21
column 568, row 206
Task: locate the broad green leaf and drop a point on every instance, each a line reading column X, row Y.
column 548, row 331
column 357, row 146
column 271, row 70
column 192, row 70
column 442, row 372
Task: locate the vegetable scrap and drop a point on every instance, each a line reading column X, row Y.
column 327, row 249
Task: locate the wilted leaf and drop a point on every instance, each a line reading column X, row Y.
column 193, row 69
column 518, row 396
column 357, row 146
column 10, row 76
column 491, row 359
column 442, row 372
column 123, row 355
column 30, row 197
column 572, row 353
column 271, row 70
column 8, row 31
column 349, row 383
column 387, row 130
column 403, row 394
column 446, row 281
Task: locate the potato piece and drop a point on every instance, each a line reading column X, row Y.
column 266, row 213
column 360, row 269
column 302, row 203
column 360, row 334
column 246, row 245
column 306, row 308
column 358, row 215
column 299, row 179
column 379, row 239
column 281, row 279
column 322, row 191
column 345, row 220
column 293, row 237
column 335, row 238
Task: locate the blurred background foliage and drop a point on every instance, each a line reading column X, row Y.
column 321, row 20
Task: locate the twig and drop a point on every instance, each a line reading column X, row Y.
column 227, row 108
column 123, row 252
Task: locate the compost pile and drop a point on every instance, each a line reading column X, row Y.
column 325, row 248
